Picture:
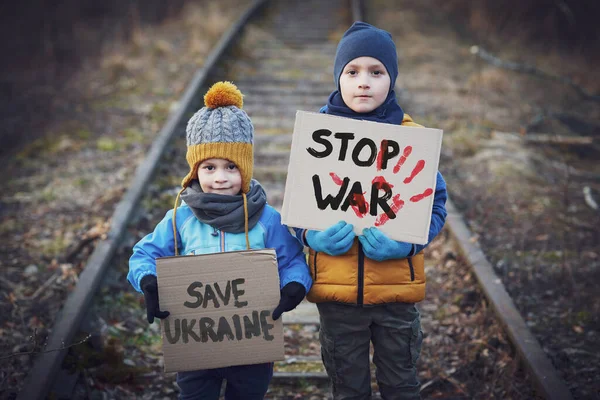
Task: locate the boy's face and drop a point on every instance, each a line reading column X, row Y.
column 220, row 176
column 364, row 84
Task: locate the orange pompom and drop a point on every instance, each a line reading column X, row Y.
column 223, row 94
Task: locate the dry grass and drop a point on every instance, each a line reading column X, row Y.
column 490, row 78
column 115, row 65
column 569, row 24
column 464, row 141
column 200, row 28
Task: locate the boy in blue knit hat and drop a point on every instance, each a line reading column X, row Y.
column 225, row 210
column 366, row 287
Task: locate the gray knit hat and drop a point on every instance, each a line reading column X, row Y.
column 221, row 129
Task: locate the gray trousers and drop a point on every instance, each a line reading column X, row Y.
column 346, row 333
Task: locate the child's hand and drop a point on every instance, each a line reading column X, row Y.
column 379, row 247
column 335, row 240
column 149, row 286
column 291, row 295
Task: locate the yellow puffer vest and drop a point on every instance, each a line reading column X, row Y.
column 356, row 279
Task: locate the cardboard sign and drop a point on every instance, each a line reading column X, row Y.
column 220, row 307
column 365, row 173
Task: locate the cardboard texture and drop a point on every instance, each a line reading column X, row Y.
column 365, row 173
column 220, row 307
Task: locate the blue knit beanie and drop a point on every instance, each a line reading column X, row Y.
column 364, row 40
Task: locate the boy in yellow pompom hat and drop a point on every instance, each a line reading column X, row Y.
column 224, row 210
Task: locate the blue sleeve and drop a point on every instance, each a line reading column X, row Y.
column 290, row 254
column 438, row 214
column 159, row 243
column 300, row 235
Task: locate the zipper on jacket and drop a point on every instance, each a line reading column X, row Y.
column 315, row 266
column 412, row 269
column 222, row 242
column 361, row 275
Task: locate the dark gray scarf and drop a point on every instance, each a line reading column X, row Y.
column 225, row 212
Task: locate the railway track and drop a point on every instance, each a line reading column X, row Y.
column 281, row 59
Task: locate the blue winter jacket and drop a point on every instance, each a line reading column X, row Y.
column 195, row 237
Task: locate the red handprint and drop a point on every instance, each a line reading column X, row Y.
column 397, row 204
column 361, row 207
column 402, row 159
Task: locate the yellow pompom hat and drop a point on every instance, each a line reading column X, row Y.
column 221, row 129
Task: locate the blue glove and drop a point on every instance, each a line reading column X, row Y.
column 335, row 240
column 379, row 247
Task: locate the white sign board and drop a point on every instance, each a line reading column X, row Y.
column 220, row 307
column 365, row 173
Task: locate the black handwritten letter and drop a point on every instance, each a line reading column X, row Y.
column 318, row 137
column 224, row 297
column 238, row 327
column 345, row 137
column 356, row 189
column 382, row 201
column 252, row 328
column 322, row 203
column 265, row 325
column 167, row 327
column 207, row 329
column 187, row 330
column 237, row 292
column 224, row 330
column 194, row 293
column 361, row 145
column 209, row 294
column 387, row 154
